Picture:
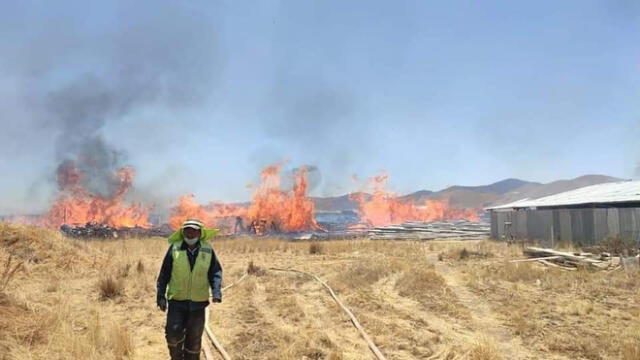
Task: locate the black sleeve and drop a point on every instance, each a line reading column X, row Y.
column 165, row 274
column 215, row 277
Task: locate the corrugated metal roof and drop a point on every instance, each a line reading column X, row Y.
column 616, row 192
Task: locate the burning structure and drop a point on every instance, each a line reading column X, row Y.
column 81, row 213
column 386, row 208
column 76, row 204
column 92, row 190
column 81, row 210
column 274, row 210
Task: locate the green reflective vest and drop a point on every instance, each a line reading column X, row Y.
column 187, row 284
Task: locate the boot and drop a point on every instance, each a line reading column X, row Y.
column 176, row 350
column 191, row 355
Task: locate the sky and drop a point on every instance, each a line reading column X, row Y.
column 198, row 96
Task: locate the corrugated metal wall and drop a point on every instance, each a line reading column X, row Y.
column 581, row 226
column 539, row 224
column 502, row 219
column 613, row 222
column 565, row 225
column 629, row 219
column 519, row 219
column 494, row 225
column 600, row 224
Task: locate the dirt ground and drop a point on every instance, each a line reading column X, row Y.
column 70, row 299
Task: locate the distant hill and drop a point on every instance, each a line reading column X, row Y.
column 534, row 191
column 419, row 196
column 500, row 187
column 471, row 196
column 336, row 203
column 501, row 192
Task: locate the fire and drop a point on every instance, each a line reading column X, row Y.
column 212, row 215
column 385, row 208
column 287, row 210
column 271, row 206
column 75, row 204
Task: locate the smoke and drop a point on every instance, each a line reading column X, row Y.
column 315, row 121
column 310, row 116
column 79, row 78
column 313, row 174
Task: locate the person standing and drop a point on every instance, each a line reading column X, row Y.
column 189, row 269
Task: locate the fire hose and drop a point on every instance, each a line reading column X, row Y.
column 372, row 346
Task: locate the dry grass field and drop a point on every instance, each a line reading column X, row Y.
column 69, row 299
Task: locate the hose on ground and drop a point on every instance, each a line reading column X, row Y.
column 355, row 321
column 372, row 346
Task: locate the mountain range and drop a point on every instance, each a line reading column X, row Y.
column 501, row 192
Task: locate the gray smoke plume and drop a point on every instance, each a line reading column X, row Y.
column 156, row 56
column 310, row 117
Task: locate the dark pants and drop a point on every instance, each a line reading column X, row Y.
column 184, row 332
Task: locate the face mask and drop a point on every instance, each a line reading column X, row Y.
column 191, row 241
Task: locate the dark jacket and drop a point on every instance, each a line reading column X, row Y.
column 214, row 275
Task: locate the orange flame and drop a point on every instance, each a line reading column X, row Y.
column 290, row 211
column 76, row 205
column 385, row 208
column 271, row 206
column 212, row 214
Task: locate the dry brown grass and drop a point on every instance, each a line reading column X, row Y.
column 429, row 288
column 8, row 273
column 580, row 314
column 110, row 287
column 121, row 341
column 411, row 304
column 48, row 308
column 316, row 248
column 253, row 269
column 359, row 275
column 485, row 349
column 630, row 347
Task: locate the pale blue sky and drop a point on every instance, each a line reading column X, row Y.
column 200, row 96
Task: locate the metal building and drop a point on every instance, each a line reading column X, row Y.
column 583, row 216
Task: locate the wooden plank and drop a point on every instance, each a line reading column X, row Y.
column 542, row 252
column 549, row 263
column 536, row 259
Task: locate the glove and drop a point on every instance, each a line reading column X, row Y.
column 216, row 300
column 162, row 303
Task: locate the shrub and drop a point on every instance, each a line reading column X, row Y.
column 253, row 269
column 618, row 245
column 316, row 248
column 484, row 349
column 110, row 288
